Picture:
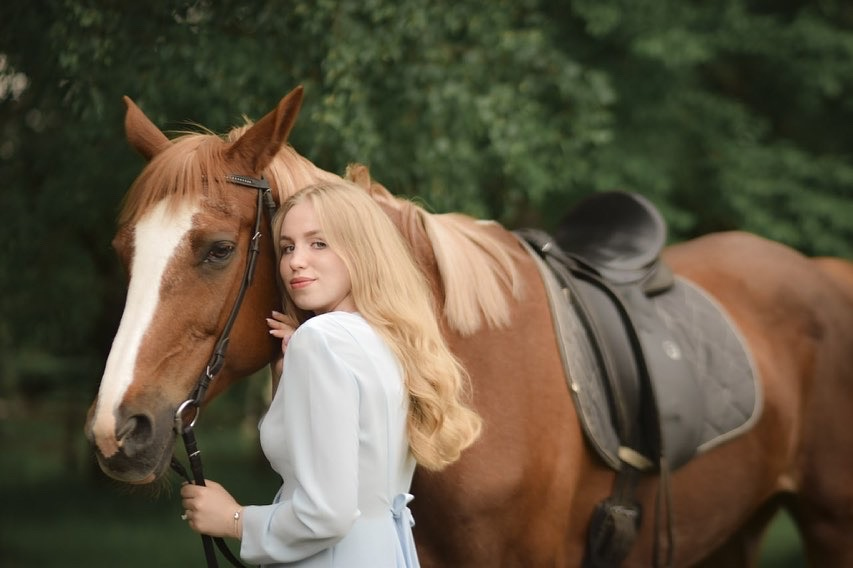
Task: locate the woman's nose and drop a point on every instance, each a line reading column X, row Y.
column 296, row 259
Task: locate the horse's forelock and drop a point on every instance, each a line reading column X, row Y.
column 178, row 173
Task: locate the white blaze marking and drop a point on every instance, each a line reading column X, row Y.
column 156, row 236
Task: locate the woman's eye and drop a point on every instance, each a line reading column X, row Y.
column 318, row 244
column 220, row 252
column 286, row 249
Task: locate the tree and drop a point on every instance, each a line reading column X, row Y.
column 727, row 115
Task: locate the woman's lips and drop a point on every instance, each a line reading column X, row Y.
column 297, row 283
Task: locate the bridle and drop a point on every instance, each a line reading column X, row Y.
column 188, row 411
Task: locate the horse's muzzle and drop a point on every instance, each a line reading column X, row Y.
column 138, row 449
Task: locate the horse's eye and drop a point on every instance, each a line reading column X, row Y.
column 220, row 252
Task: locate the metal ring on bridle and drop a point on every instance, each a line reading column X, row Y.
column 180, row 425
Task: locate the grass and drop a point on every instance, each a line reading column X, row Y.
column 59, row 510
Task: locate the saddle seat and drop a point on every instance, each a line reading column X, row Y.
column 620, row 235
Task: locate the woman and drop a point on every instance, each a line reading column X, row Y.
column 368, row 388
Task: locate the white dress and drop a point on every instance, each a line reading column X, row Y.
column 336, row 433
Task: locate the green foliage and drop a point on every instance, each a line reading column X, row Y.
column 727, row 114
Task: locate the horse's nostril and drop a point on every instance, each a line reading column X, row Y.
column 135, row 434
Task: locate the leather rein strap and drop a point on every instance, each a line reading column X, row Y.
column 187, row 413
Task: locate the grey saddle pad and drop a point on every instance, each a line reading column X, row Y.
column 724, row 372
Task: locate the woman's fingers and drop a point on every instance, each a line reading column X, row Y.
column 279, row 321
column 282, row 318
column 281, row 326
column 277, row 332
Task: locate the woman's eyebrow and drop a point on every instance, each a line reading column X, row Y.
column 309, row 234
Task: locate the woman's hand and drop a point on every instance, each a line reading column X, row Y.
column 210, row 509
column 281, row 326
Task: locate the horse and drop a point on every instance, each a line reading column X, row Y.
column 524, row 493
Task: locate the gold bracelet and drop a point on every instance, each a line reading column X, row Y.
column 236, row 521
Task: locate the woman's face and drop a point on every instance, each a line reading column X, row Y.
column 314, row 275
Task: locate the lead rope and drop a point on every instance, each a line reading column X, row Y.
column 187, row 413
column 207, row 541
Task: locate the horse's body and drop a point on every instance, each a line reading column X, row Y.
column 523, row 495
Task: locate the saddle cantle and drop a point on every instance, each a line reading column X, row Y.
column 657, row 371
column 621, row 235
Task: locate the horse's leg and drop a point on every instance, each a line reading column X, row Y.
column 743, row 548
column 824, row 508
column 800, row 327
column 826, row 532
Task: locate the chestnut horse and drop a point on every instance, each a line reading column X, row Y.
column 523, row 495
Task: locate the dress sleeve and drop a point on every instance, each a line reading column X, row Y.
column 318, row 425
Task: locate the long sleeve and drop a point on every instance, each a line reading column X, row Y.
column 314, row 423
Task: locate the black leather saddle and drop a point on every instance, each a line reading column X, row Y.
column 644, row 347
column 620, row 236
column 606, row 254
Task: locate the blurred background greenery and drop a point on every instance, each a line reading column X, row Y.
column 728, row 114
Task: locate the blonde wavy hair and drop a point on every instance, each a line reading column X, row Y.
column 392, row 294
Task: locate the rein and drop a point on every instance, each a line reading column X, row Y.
column 188, row 411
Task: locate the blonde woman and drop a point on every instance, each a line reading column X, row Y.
column 368, row 389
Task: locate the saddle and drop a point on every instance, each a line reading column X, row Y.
column 607, row 259
column 606, row 254
column 656, row 368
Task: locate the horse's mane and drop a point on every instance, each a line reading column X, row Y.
column 478, row 272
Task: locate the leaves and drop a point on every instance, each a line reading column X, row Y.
column 728, row 115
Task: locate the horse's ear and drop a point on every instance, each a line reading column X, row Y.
column 259, row 145
column 359, row 175
column 142, row 134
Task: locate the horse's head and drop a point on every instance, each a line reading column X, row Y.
column 184, row 238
